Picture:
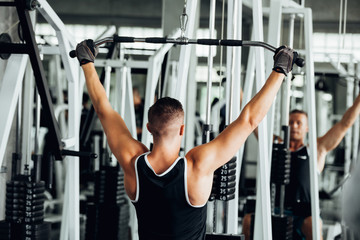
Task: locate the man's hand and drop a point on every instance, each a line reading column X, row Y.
column 284, row 59
column 86, row 51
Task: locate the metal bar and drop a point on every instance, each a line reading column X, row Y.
column 18, row 48
column 357, row 122
column 72, row 211
column 53, row 19
column 41, row 83
column 285, row 109
column 262, row 228
column 130, row 119
column 274, row 34
column 185, row 52
column 9, row 93
column 310, row 92
column 348, row 135
column 229, row 53
column 231, row 207
column 210, row 67
column 28, row 99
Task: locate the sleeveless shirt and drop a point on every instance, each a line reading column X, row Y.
column 297, row 193
column 162, row 204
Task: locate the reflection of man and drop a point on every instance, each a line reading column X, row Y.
column 297, row 197
column 139, row 111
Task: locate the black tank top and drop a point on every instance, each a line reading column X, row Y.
column 162, row 204
column 297, row 193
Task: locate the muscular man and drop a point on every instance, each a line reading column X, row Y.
column 297, row 197
column 170, row 193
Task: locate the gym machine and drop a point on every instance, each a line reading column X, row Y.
column 60, row 147
column 224, row 179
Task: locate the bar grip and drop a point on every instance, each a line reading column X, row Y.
column 123, row 39
column 208, row 41
column 230, row 42
column 155, row 40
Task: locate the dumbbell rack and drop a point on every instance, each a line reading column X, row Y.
column 108, row 215
column 24, row 215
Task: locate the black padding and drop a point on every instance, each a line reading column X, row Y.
column 204, row 41
column 230, row 42
column 155, row 40
column 123, row 39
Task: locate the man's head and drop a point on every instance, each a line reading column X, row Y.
column 166, row 118
column 298, row 122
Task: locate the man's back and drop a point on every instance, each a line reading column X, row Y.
column 162, row 204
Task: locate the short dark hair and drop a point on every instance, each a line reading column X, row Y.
column 299, row 111
column 163, row 111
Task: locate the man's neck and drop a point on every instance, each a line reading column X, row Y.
column 165, row 150
column 295, row 145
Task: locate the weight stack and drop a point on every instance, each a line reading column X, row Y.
column 24, row 215
column 282, row 227
column 109, row 214
column 280, row 165
column 224, row 182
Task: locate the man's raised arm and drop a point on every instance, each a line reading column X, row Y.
column 334, row 136
column 220, row 150
column 121, row 143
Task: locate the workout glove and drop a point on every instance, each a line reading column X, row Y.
column 284, row 59
column 86, row 51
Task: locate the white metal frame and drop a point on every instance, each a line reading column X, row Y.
column 9, row 95
column 310, row 95
column 70, row 227
column 262, row 228
column 233, row 88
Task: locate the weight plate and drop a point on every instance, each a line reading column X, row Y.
column 35, row 184
column 34, row 208
column 15, row 201
column 225, row 197
column 36, row 227
column 34, row 196
column 33, row 219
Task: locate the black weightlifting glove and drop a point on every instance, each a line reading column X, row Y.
column 86, row 51
column 284, row 59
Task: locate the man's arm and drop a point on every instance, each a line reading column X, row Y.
column 216, row 153
column 334, row 136
column 120, row 141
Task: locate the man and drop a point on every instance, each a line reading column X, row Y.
column 169, row 192
column 297, row 197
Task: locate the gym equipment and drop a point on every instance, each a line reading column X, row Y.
column 24, row 210
column 185, row 41
column 5, row 38
column 224, row 182
column 31, row 48
column 109, row 203
column 282, row 225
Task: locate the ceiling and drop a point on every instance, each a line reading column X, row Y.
column 147, row 13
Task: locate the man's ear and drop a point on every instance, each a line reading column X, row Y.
column 148, row 127
column 182, row 129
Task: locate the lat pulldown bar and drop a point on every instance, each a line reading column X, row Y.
column 185, row 41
